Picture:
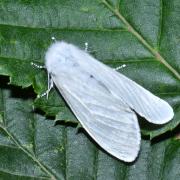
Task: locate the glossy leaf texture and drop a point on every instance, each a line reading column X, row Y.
column 32, row 147
column 144, row 35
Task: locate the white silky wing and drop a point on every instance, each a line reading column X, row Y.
column 102, row 99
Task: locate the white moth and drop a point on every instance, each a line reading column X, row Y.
column 103, row 100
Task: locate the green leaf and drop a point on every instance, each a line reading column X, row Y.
column 143, row 35
column 31, row 147
column 137, row 34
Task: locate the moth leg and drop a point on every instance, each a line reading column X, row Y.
column 50, row 81
column 86, row 46
column 45, row 93
column 53, row 39
column 38, row 66
column 120, row 67
column 50, row 86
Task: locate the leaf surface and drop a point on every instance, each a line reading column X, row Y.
column 31, row 147
column 144, row 35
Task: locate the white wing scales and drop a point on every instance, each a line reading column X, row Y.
column 102, row 99
column 113, row 127
column 146, row 104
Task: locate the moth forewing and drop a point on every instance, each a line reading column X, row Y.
column 102, row 99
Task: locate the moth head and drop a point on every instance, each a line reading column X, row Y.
column 56, row 55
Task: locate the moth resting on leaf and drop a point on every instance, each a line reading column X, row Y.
column 103, row 100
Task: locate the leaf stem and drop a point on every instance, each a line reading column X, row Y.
column 141, row 39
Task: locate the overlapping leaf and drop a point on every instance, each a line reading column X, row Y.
column 31, row 147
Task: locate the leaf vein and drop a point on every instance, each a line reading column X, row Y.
column 160, row 23
column 130, row 28
column 66, row 29
column 20, row 175
column 28, row 154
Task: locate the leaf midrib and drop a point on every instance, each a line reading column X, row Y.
column 64, row 29
column 132, row 30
